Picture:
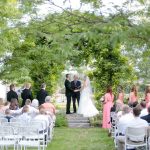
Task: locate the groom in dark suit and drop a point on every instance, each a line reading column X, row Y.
column 68, row 93
column 76, row 86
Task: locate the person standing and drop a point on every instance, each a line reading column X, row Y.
column 76, row 86
column 147, row 96
column 68, row 93
column 107, row 104
column 121, row 95
column 12, row 94
column 26, row 94
column 133, row 95
column 42, row 94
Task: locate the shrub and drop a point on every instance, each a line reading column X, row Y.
column 61, row 120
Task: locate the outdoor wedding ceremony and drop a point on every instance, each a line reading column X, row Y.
column 74, row 75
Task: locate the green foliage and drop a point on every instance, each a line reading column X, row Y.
column 61, row 120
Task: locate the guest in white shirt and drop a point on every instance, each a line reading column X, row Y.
column 135, row 122
column 144, row 111
column 127, row 116
column 35, row 103
column 25, row 117
column 42, row 117
column 32, row 111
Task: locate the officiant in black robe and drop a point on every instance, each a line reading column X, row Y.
column 75, row 86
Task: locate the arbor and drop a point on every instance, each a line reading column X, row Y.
column 103, row 42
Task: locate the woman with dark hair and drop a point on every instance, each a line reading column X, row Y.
column 107, row 104
column 120, row 95
column 133, row 95
column 147, row 96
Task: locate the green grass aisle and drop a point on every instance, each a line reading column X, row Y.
column 81, row 139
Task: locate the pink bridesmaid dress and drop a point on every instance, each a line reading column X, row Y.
column 108, row 103
column 147, row 99
column 132, row 98
column 121, row 97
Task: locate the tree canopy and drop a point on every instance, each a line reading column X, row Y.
column 114, row 45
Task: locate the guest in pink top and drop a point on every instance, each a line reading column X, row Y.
column 108, row 103
column 147, row 96
column 133, row 95
column 48, row 106
column 121, row 95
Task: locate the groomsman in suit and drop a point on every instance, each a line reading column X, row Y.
column 41, row 95
column 76, row 86
column 12, row 94
column 68, row 93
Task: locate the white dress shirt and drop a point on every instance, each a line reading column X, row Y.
column 137, row 122
column 124, row 121
column 43, row 119
column 144, row 112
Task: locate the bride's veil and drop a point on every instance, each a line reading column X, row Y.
column 88, row 85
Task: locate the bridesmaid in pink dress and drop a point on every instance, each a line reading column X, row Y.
column 147, row 96
column 108, row 103
column 133, row 95
column 121, row 95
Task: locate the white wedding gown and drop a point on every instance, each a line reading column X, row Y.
column 86, row 106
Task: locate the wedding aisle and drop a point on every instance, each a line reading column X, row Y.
column 81, row 139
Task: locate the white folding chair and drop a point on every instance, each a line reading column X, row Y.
column 6, row 132
column 38, row 125
column 30, row 137
column 136, row 137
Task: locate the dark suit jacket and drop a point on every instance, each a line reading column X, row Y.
column 68, row 91
column 26, row 94
column 75, row 86
column 11, row 94
column 147, row 118
column 41, row 96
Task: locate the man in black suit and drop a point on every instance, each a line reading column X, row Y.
column 12, row 94
column 76, row 86
column 26, row 94
column 68, row 93
column 42, row 94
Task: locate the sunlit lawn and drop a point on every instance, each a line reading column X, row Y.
column 81, row 139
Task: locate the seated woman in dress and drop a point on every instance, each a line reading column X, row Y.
column 14, row 104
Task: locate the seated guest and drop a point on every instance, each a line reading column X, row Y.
column 119, row 106
column 134, row 104
column 135, row 122
column 144, row 111
column 8, row 115
column 14, row 104
column 35, row 103
column 32, row 111
column 6, row 105
column 147, row 117
column 25, row 117
column 43, row 118
column 48, row 106
column 126, row 117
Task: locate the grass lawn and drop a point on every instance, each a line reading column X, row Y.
column 81, row 139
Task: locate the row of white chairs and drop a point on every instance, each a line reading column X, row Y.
column 141, row 133
column 19, row 133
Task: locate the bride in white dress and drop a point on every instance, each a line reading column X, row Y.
column 86, row 105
